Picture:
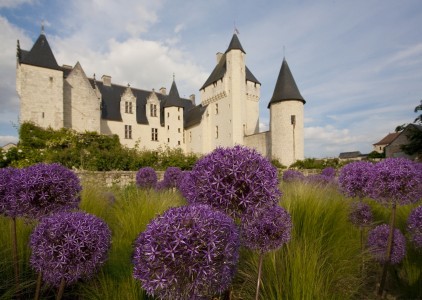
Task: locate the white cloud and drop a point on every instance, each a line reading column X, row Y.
column 13, row 3
column 4, row 140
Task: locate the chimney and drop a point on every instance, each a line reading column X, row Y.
column 106, row 80
column 163, row 90
column 192, row 98
column 219, row 56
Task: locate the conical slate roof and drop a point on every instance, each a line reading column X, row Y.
column 285, row 88
column 173, row 98
column 235, row 44
column 221, row 68
column 40, row 55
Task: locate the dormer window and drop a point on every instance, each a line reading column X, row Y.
column 153, row 109
column 128, row 107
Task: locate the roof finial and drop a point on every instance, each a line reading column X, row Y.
column 174, row 77
column 235, row 28
column 42, row 26
column 284, row 52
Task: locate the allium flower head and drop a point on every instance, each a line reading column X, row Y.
column 171, row 176
column 146, row 178
column 378, row 240
column 184, row 183
column 43, row 189
column 188, row 252
column 267, row 229
column 360, row 214
column 329, row 172
column 354, row 177
column 234, row 180
column 7, row 207
column 292, row 175
column 414, row 226
column 69, row 245
column 398, row 180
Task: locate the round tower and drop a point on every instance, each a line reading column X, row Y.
column 286, row 119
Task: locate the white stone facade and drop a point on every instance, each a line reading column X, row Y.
column 228, row 113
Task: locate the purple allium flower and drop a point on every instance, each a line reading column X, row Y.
column 233, row 180
column 7, row 207
column 69, row 245
column 398, row 180
column 354, row 177
column 188, row 252
column 184, row 183
column 360, row 214
column 378, row 240
column 146, row 178
column 329, row 172
column 414, row 226
column 43, row 189
column 267, row 229
column 171, row 176
column 293, row 175
column 319, row 179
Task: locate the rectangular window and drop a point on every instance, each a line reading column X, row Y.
column 190, row 136
column 178, row 117
column 293, row 119
column 128, row 131
column 153, row 109
column 128, row 107
column 216, row 132
column 178, row 142
column 216, row 108
column 178, row 130
column 168, row 115
column 154, row 134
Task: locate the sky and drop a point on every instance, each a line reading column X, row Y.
column 358, row 64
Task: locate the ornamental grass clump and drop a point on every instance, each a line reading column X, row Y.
column 414, row 227
column 68, row 246
column 264, row 231
column 188, row 252
column 146, row 178
column 378, row 243
column 234, row 180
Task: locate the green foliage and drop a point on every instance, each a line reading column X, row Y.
column 375, row 154
column 414, row 146
column 276, row 163
column 88, row 151
column 313, row 163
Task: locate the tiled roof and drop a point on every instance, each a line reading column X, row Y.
column 173, row 98
column 353, row 154
column 40, row 55
column 388, row 139
column 220, row 69
column 110, row 102
column 194, row 115
column 235, row 44
column 285, row 88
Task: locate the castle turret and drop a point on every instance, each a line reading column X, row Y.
column 39, row 83
column 173, row 118
column 286, row 119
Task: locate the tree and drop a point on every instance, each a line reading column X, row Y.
column 414, row 134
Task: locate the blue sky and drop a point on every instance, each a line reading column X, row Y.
column 357, row 63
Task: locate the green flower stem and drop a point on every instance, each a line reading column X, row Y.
column 261, row 256
column 61, row 289
column 15, row 254
column 389, row 249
